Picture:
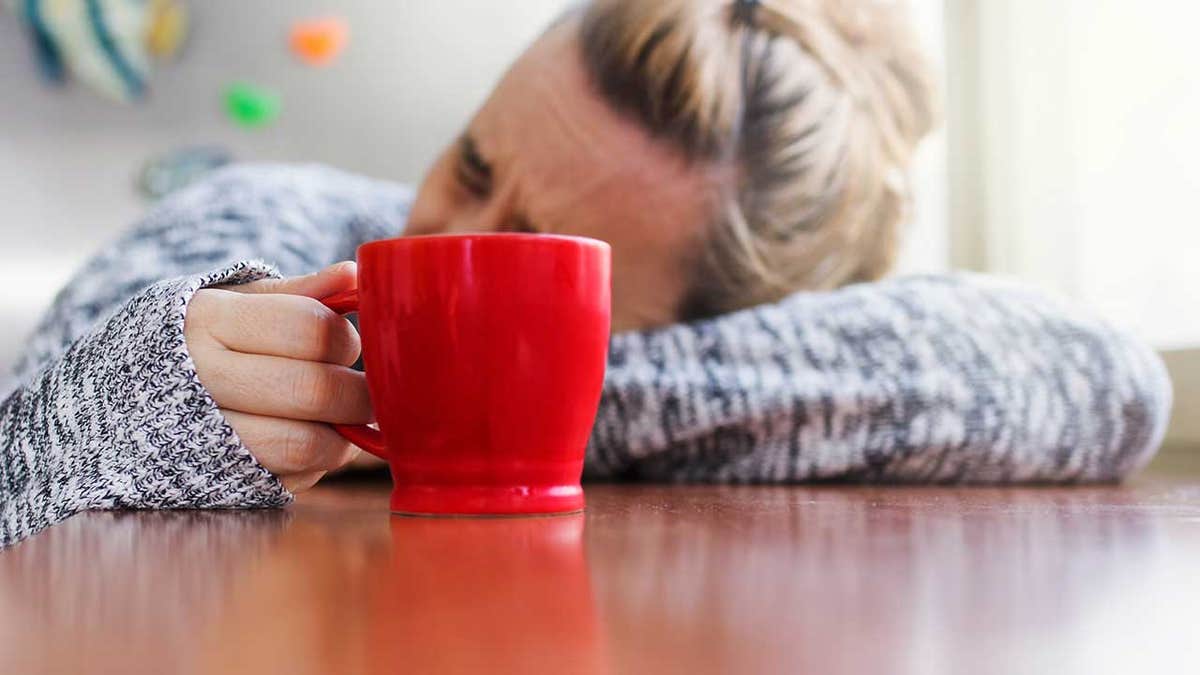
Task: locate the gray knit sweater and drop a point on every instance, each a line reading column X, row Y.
column 954, row 379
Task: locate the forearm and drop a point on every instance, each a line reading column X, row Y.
column 951, row 379
column 120, row 419
column 297, row 218
column 108, row 411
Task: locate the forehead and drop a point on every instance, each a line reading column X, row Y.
column 564, row 150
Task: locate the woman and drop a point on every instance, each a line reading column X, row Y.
column 731, row 153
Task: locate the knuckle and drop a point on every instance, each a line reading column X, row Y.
column 331, row 338
column 200, row 302
column 301, row 447
column 243, row 311
column 268, row 285
column 198, row 314
column 324, row 330
column 315, row 390
column 209, row 371
column 351, row 343
column 232, row 316
column 219, row 376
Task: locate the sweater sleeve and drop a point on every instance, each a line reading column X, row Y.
column 297, row 218
column 107, row 410
column 120, row 419
column 955, row 379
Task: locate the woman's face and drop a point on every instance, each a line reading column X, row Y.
column 546, row 154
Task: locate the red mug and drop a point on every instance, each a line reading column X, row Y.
column 484, row 357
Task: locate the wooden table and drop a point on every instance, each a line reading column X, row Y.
column 820, row 579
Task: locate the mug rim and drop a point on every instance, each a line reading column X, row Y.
column 531, row 237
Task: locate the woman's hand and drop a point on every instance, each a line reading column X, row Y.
column 277, row 362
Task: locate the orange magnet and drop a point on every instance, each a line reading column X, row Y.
column 318, row 42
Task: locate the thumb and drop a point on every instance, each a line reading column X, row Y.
column 336, row 278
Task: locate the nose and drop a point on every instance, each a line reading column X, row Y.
column 449, row 222
column 471, row 223
column 458, row 219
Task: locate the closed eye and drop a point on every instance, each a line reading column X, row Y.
column 471, row 170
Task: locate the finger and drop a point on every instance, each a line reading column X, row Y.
column 363, row 461
column 291, row 326
column 336, row 278
column 301, row 482
column 289, row 447
column 287, row 388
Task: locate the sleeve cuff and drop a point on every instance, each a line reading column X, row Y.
column 173, row 448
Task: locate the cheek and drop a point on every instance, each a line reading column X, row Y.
column 641, row 263
column 435, row 205
column 646, row 251
column 651, row 272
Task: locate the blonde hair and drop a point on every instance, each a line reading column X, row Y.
column 816, row 107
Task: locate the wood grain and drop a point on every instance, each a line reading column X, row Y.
column 694, row 579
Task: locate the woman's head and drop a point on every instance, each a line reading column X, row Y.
column 730, row 152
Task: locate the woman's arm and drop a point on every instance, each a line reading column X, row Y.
column 108, row 410
column 957, row 379
column 119, row 419
column 296, row 218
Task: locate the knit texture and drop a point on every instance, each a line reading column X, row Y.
column 953, row 379
column 121, row 420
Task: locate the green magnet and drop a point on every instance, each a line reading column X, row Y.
column 250, row 106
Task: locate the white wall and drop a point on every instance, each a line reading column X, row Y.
column 413, row 72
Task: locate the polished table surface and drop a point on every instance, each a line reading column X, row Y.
column 688, row 579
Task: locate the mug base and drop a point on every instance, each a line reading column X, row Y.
column 486, row 500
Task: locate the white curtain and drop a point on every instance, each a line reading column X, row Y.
column 1075, row 128
column 1074, row 136
column 926, row 243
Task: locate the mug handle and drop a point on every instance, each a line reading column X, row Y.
column 361, row 435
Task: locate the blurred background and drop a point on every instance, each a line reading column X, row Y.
column 1068, row 157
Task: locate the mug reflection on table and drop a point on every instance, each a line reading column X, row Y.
column 487, row 595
